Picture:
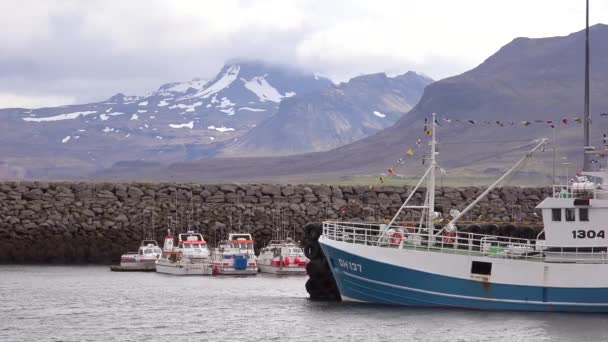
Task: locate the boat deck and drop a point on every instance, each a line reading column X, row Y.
column 463, row 243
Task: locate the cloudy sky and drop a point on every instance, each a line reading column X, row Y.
column 56, row 52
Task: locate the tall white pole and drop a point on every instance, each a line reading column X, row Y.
column 586, row 156
column 431, row 184
column 554, row 151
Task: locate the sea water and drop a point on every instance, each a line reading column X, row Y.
column 90, row 303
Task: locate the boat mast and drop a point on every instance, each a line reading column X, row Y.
column 430, row 190
column 515, row 167
column 586, row 156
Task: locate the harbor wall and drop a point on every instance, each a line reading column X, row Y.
column 83, row 222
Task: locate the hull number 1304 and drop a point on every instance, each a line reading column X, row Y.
column 587, row 234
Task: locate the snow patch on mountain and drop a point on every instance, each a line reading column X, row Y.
column 378, row 114
column 144, row 103
column 221, row 129
column 66, row 139
column 186, row 125
column 229, row 111
column 163, row 103
column 67, row 116
column 264, row 91
column 225, row 103
column 134, row 117
column 181, row 87
column 103, row 117
column 188, row 108
column 224, row 81
column 252, row 109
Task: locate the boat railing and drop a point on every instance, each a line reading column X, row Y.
column 586, row 190
column 466, row 243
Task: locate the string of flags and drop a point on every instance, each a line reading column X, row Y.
column 501, row 123
column 506, row 123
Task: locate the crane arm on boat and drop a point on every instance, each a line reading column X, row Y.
column 541, row 143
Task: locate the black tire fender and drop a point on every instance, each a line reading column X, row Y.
column 313, row 251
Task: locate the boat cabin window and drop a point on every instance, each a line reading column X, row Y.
column 570, row 214
column 583, row 214
column 149, row 251
column 187, row 246
column 556, row 214
column 296, row 250
column 480, row 267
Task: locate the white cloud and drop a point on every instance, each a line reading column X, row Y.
column 49, row 47
column 8, row 100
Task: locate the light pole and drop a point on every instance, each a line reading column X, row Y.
column 567, row 165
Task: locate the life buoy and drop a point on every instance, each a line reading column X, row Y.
column 449, row 237
column 395, row 238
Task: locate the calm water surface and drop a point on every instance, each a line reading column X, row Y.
column 71, row 303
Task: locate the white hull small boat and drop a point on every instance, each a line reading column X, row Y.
column 143, row 260
column 190, row 257
column 282, row 257
column 235, row 256
column 184, row 269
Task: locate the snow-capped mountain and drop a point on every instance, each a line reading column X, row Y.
column 179, row 121
column 332, row 116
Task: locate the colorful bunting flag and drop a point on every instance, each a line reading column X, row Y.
column 472, row 122
column 391, row 170
column 381, row 179
column 409, row 152
column 565, row 121
column 419, row 142
column 525, row 122
column 578, row 120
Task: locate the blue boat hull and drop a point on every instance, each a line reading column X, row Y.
column 366, row 280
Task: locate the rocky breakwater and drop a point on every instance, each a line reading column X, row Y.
column 69, row 222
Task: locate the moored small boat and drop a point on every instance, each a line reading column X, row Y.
column 144, row 260
column 235, row 256
column 282, row 257
column 190, row 257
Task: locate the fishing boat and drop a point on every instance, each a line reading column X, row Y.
column 282, row 257
column 235, row 256
column 189, row 257
column 143, row 260
column 564, row 269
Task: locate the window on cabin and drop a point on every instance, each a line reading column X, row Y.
column 556, row 214
column 583, row 214
column 570, row 214
column 480, row 267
